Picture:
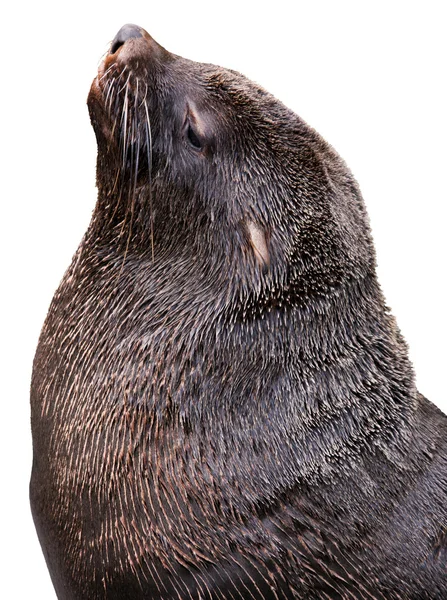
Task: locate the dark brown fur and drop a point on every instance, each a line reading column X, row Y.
column 222, row 405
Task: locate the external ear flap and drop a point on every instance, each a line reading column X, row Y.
column 258, row 242
column 198, row 130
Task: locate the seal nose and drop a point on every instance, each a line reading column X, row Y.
column 126, row 32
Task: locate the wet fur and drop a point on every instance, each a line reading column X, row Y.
column 210, row 425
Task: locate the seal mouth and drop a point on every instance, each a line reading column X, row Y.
column 117, row 98
column 118, row 101
column 109, row 95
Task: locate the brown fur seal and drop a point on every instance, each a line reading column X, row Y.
column 222, row 405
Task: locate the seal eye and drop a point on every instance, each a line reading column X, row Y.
column 193, row 138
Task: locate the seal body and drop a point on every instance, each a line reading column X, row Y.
column 222, row 405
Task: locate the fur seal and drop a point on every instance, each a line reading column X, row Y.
column 222, row 404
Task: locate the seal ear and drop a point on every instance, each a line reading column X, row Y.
column 258, row 242
column 195, row 130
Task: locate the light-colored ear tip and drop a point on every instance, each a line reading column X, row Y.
column 259, row 243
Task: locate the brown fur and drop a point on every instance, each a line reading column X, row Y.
column 222, row 405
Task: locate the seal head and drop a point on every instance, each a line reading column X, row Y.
column 200, row 155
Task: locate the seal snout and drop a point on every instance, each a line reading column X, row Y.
column 132, row 44
column 127, row 32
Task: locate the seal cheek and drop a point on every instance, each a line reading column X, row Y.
column 258, row 243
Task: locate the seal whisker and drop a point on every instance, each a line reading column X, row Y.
column 136, row 152
column 135, row 110
column 116, row 112
column 130, row 150
column 123, row 70
column 144, row 97
column 124, row 135
column 131, row 194
column 125, row 84
column 149, row 168
column 111, row 88
column 105, row 74
column 115, row 100
column 104, row 54
column 110, row 93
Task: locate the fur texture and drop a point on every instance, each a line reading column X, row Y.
column 222, row 405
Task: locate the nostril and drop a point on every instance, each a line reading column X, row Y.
column 116, row 45
column 126, row 32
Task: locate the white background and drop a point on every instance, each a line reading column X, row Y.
column 370, row 77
